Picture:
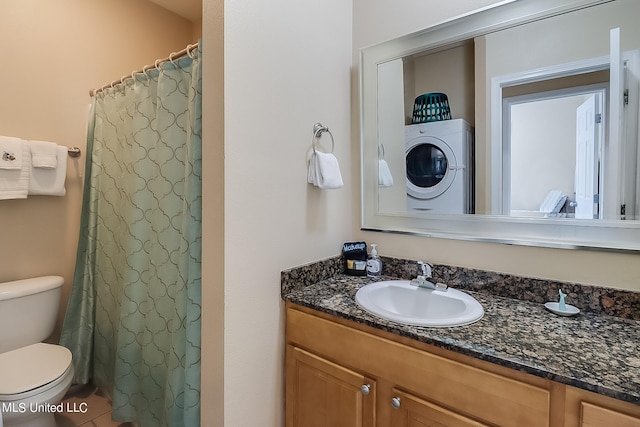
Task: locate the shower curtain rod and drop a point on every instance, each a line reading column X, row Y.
column 173, row 56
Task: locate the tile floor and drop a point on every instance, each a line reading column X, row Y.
column 87, row 407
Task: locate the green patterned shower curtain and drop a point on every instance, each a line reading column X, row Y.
column 133, row 319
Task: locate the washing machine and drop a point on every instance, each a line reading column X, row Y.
column 439, row 167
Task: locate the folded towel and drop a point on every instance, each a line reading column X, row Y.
column 11, row 153
column 14, row 183
column 50, row 182
column 384, row 174
column 324, row 171
column 43, row 154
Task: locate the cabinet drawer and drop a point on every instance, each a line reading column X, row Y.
column 412, row 411
column 597, row 416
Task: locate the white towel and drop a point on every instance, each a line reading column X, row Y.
column 43, row 154
column 11, row 152
column 50, row 182
column 14, row 183
column 384, row 174
column 324, row 171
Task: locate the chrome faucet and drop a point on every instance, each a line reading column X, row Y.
column 424, row 274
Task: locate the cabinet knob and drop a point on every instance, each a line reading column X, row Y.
column 395, row 402
column 365, row 389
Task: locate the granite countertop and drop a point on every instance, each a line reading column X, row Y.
column 591, row 351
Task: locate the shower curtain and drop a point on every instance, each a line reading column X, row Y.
column 133, row 319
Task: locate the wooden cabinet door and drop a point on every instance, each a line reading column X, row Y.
column 411, row 411
column 320, row 393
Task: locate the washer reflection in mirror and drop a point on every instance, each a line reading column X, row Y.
column 439, row 159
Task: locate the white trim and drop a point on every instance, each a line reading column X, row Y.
column 596, row 88
column 514, row 79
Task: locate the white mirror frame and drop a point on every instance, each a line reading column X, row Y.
column 556, row 233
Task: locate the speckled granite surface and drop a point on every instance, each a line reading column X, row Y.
column 593, row 299
column 593, row 350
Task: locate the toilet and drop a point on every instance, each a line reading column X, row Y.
column 34, row 376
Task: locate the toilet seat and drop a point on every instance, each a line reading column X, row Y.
column 33, row 369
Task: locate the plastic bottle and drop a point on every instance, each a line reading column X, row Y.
column 374, row 263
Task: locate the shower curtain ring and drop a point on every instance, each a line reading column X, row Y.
column 190, row 49
column 171, row 58
column 145, row 69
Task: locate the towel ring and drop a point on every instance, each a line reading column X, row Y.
column 318, row 130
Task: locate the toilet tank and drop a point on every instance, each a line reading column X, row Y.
column 28, row 310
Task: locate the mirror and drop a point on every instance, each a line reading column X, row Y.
column 477, row 128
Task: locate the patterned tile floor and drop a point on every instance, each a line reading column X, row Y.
column 87, row 407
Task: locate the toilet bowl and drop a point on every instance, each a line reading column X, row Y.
column 34, row 380
column 34, row 376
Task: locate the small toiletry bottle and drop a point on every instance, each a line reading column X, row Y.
column 374, row 264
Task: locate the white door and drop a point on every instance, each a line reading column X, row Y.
column 587, row 194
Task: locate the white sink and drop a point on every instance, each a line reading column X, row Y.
column 402, row 302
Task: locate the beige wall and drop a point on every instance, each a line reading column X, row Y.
column 287, row 66
column 196, row 30
column 53, row 53
column 449, row 71
column 376, row 21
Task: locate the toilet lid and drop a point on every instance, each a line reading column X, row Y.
column 31, row 367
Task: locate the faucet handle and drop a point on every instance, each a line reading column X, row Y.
column 424, row 269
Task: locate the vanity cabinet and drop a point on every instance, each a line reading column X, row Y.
column 412, row 384
column 410, row 410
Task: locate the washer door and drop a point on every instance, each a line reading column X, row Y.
column 431, row 167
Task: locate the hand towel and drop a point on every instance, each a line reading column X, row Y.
column 11, row 150
column 384, row 174
column 14, row 183
column 43, row 154
column 50, row 182
column 324, row 171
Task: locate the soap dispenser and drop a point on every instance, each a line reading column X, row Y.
column 374, row 263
